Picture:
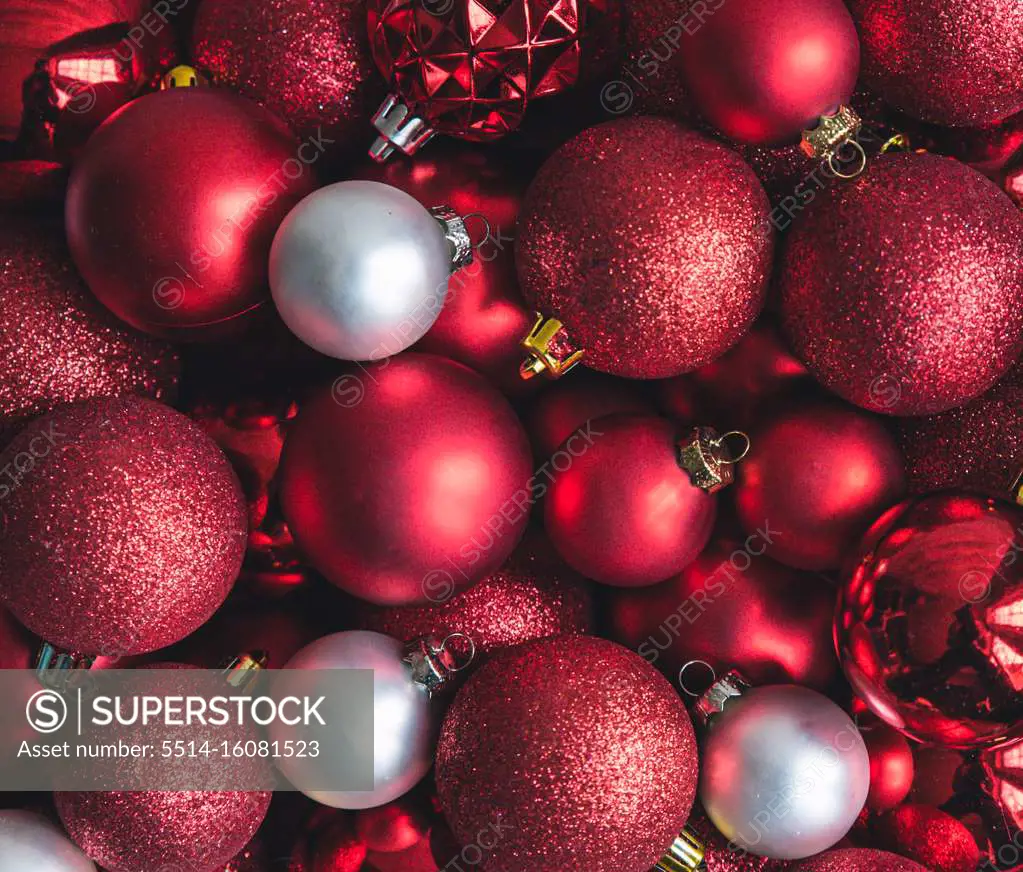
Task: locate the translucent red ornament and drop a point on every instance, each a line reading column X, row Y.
column 469, row 69
column 929, row 620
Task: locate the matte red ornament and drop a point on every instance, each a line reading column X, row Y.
column 819, row 474
column 931, row 837
column 929, row 620
column 469, row 69
column 762, row 71
column 570, row 404
column 430, row 492
column 172, row 234
column 145, row 831
column 484, row 317
column 532, row 596
column 733, row 608
column 307, row 61
column 582, row 752
column 857, row 860
column 901, row 291
column 962, row 67
column 623, row 237
column 891, row 766
column 625, row 512
column 57, row 343
column 978, row 446
column 124, row 526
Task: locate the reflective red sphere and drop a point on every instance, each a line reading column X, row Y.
column 891, row 766
column 406, row 480
column 929, row 620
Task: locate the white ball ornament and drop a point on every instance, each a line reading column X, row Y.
column 31, row 843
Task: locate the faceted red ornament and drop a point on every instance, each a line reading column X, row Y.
column 891, row 766
column 469, row 68
column 931, row 837
column 928, row 625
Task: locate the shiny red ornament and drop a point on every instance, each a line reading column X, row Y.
column 534, row 595
column 124, row 526
column 978, row 446
column 733, row 607
column 399, row 836
column 819, row 475
column 762, row 71
column 891, row 766
column 987, row 149
column 931, row 837
column 337, row 848
column 929, row 620
column 251, row 858
column 583, row 753
column 569, row 404
column 155, row 830
column 622, row 510
column 622, row 237
column 57, row 343
column 857, row 860
column 901, row 291
column 469, row 69
column 484, row 317
column 171, row 233
column 430, row 492
column 962, row 67
column 307, row 61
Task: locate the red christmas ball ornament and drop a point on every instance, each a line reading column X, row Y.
column 186, row 258
column 987, row 149
column 634, row 502
column 891, row 766
column 571, row 404
column 621, row 240
column 900, row 291
column 470, row 69
column 580, row 751
column 963, row 67
column 1012, row 181
column 431, row 492
column 28, row 186
column 928, row 615
column 762, row 71
column 124, row 526
column 57, row 343
column 144, row 831
column 978, row 446
column 307, row 61
column 399, row 836
column 531, row 597
column 336, row 848
column 484, row 317
column 857, row 860
column 17, row 646
column 819, row 475
column 251, row 858
column 931, row 837
column 732, row 607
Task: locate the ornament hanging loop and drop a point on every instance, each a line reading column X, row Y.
column 859, row 165
column 725, row 453
column 488, row 231
column 433, row 662
column 469, row 656
column 688, row 667
column 834, row 132
column 704, row 454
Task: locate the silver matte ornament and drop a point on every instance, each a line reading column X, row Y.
column 404, row 720
column 359, row 270
column 784, row 771
column 31, row 843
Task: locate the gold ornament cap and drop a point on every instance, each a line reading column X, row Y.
column 434, row 662
column 183, row 76
column 549, row 350
column 59, row 670
column 684, row 855
column 709, row 460
column 241, row 671
column 833, row 133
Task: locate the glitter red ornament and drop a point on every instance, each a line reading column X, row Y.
column 155, row 830
column 631, row 505
column 57, row 343
column 891, row 766
column 124, row 526
column 650, row 243
column 928, row 619
column 733, row 607
column 931, row 837
column 762, row 71
column 962, row 67
column 857, row 860
column 900, row 291
column 819, row 475
column 307, row 61
column 430, row 493
column 580, row 751
column 470, row 69
column 171, row 233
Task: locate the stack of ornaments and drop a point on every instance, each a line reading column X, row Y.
column 652, row 366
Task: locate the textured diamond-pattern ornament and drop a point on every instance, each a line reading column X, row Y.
column 469, row 68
